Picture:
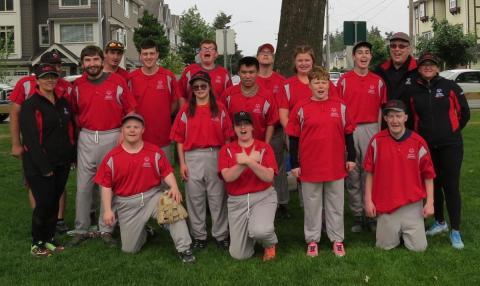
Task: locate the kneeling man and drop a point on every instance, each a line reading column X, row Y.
column 248, row 166
column 130, row 177
column 399, row 176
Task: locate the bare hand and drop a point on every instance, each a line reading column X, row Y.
column 349, row 166
column 255, row 155
column 242, row 158
column 428, row 210
column 370, row 209
column 109, row 217
column 296, row 172
column 184, row 172
column 175, row 195
column 17, row 151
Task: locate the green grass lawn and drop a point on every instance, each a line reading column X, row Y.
column 157, row 263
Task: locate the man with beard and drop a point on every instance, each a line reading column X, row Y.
column 219, row 75
column 99, row 100
column 113, row 57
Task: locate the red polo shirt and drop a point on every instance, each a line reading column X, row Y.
column 399, row 169
column 130, row 174
column 248, row 182
column 296, row 91
column 26, row 86
column 276, row 84
column 220, row 79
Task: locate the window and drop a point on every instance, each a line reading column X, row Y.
column 6, row 5
column 468, row 77
column 135, row 9
column 7, row 38
column 74, row 3
column 43, row 35
column 428, row 35
column 20, row 73
column 422, row 11
column 453, row 6
column 416, row 12
column 126, row 8
column 76, row 33
column 121, row 36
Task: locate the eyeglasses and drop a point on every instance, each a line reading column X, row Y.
column 400, row 46
column 208, row 49
column 197, row 87
column 265, row 53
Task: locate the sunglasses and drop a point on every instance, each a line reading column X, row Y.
column 197, row 87
column 114, row 45
column 400, row 46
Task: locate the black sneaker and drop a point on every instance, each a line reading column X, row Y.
column 199, row 243
column 108, row 239
column 357, row 224
column 283, row 212
column 61, row 227
column 223, row 244
column 77, row 239
column 187, row 256
column 372, row 225
column 150, row 231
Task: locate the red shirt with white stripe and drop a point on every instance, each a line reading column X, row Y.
column 261, row 107
column 155, row 95
column 364, row 96
column 321, row 127
column 399, row 169
column 202, row 130
column 276, row 84
column 296, row 91
column 101, row 106
column 123, row 73
column 26, row 87
column 248, row 182
column 129, row 174
column 220, row 80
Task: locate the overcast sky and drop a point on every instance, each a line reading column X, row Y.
column 388, row 15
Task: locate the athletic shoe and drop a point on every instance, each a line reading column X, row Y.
column 39, row 250
column 269, row 253
column 150, row 231
column 108, row 239
column 53, row 246
column 338, row 249
column 199, row 243
column 77, row 239
column 187, row 256
column 372, row 225
column 437, row 228
column 312, row 249
column 357, row 224
column 223, row 244
column 61, row 227
column 283, row 212
column 456, row 239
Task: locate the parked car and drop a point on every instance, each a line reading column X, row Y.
column 5, row 91
column 334, row 77
column 467, row 79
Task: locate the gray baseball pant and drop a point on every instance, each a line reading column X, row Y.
column 204, row 184
column 92, row 147
column 280, row 180
column 251, row 218
column 133, row 214
column 315, row 195
column 406, row 222
column 356, row 178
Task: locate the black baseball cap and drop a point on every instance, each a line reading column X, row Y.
column 51, row 57
column 200, row 75
column 135, row 116
column 395, row 105
column 427, row 56
column 114, row 45
column 242, row 116
column 361, row 44
column 42, row 70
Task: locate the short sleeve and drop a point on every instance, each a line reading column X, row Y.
column 272, row 112
column 178, row 132
column 369, row 161
column 426, row 166
column 18, row 94
column 129, row 102
column 104, row 176
column 293, row 127
column 268, row 159
column 164, row 166
column 225, row 158
column 227, row 130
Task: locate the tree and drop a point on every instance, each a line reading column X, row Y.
column 193, row 30
column 6, row 48
column 336, row 42
column 301, row 22
column 379, row 48
column 449, row 44
column 222, row 21
column 173, row 62
column 150, row 28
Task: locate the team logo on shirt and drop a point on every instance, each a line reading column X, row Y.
column 108, row 95
column 218, row 79
column 371, row 89
column 411, row 154
column 275, row 89
column 216, row 119
column 257, row 108
column 65, row 111
column 160, row 84
column 408, row 81
column 146, row 162
column 334, row 112
column 439, row 93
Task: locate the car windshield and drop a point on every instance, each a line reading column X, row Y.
column 334, row 75
column 447, row 74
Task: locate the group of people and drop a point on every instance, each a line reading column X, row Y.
column 232, row 142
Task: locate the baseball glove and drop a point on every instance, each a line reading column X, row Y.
column 169, row 211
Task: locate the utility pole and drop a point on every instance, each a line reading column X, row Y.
column 410, row 21
column 100, row 26
column 327, row 65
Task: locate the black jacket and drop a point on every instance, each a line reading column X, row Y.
column 394, row 78
column 438, row 109
column 47, row 134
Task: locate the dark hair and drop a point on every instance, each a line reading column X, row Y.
column 248, row 62
column 90, row 51
column 192, row 104
column 148, row 44
column 303, row 49
column 208, row 42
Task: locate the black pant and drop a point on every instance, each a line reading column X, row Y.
column 46, row 191
column 447, row 161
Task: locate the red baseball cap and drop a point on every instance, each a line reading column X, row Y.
column 266, row 46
